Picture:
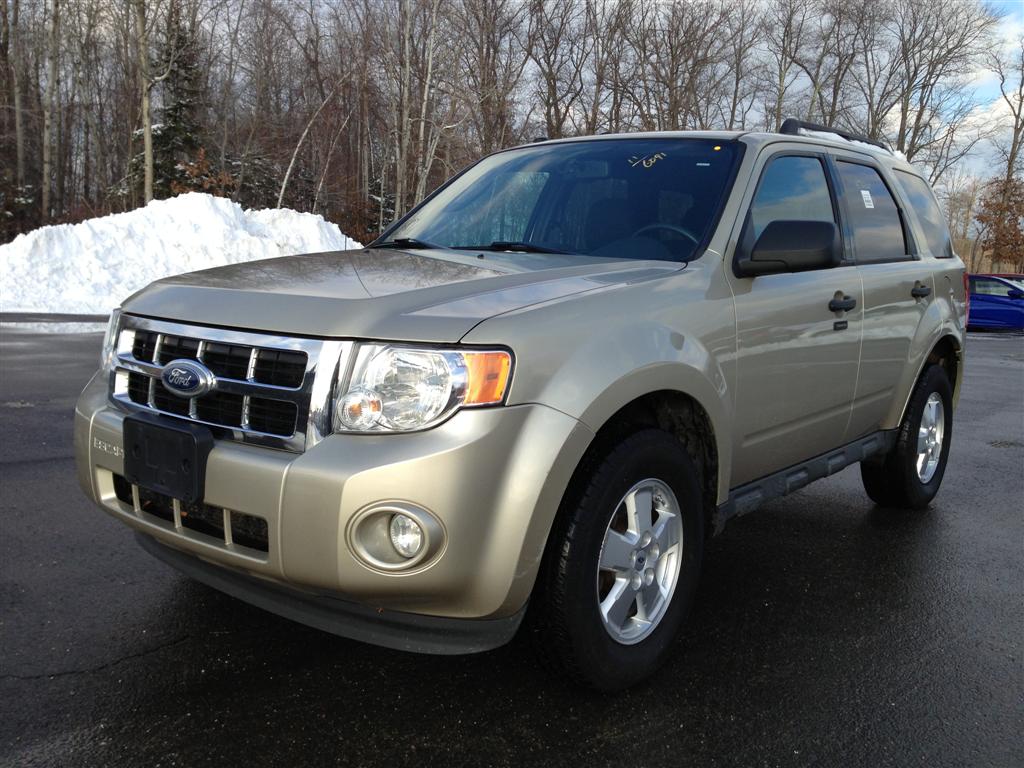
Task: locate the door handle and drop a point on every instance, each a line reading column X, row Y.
column 920, row 291
column 844, row 304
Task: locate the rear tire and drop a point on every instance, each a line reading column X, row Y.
column 910, row 474
column 615, row 586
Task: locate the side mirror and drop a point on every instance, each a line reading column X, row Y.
column 1015, row 293
column 792, row 246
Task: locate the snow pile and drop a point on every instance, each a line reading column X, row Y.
column 89, row 268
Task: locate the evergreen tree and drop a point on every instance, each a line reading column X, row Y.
column 177, row 142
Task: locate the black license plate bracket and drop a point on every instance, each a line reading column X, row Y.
column 167, row 456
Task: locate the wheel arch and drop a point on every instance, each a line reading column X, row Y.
column 947, row 351
column 664, row 384
column 673, row 411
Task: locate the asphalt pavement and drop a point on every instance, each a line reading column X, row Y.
column 827, row 632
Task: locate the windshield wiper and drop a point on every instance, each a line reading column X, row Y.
column 407, row 243
column 509, row 245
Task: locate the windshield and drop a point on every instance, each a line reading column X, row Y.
column 621, row 198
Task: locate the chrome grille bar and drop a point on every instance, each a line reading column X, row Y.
column 310, row 400
column 153, row 381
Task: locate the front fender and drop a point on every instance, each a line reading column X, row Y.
column 592, row 356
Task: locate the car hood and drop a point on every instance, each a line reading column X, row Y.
column 432, row 296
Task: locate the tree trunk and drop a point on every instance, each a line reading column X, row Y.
column 19, row 121
column 298, row 146
column 142, row 51
column 404, row 86
column 425, row 158
column 48, row 106
column 59, row 155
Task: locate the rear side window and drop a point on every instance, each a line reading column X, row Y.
column 928, row 213
column 874, row 216
column 792, row 189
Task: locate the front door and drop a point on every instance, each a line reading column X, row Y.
column 993, row 304
column 797, row 358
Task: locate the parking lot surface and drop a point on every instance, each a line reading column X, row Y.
column 826, row 632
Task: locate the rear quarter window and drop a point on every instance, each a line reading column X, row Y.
column 927, row 212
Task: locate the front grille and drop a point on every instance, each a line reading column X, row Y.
column 264, row 387
column 172, row 347
column 232, row 361
column 276, row 367
column 270, row 416
column 228, row 526
column 282, row 369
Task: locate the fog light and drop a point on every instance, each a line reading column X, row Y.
column 406, row 535
column 395, row 536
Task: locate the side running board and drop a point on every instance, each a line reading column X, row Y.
column 746, row 498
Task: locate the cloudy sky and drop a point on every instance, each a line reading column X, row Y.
column 992, row 110
column 1010, row 30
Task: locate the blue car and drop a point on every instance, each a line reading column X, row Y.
column 997, row 303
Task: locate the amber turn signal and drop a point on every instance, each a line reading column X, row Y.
column 487, row 374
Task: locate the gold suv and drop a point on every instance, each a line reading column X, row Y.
column 533, row 399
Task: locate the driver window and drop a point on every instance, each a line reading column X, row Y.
column 990, row 287
column 791, row 189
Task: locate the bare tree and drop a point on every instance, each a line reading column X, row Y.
column 1009, row 68
column 493, row 59
column 938, row 45
column 358, row 108
column 745, row 32
column 788, row 25
column 559, row 52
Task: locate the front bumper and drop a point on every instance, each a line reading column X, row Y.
column 492, row 477
column 390, row 629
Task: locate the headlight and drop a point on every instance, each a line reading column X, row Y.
column 403, row 389
column 110, row 341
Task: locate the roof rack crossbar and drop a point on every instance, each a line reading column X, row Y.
column 792, row 127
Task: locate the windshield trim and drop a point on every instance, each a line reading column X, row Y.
column 702, row 246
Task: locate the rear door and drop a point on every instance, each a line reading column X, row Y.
column 898, row 287
column 797, row 359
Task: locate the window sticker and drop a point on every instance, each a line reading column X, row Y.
column 646, row 161
column 866, row 197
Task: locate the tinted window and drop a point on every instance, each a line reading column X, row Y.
column 928, row 213
column 623, row 198
column 791, row 189
column 874, row 217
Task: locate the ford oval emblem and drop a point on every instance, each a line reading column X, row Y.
column 187, row 378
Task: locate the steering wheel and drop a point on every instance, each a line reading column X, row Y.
column 670, row 228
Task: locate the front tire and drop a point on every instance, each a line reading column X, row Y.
column 622, row 564
column 909, row 475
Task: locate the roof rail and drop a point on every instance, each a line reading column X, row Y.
column 792, row 127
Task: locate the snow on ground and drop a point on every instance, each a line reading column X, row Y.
column 89, row 268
